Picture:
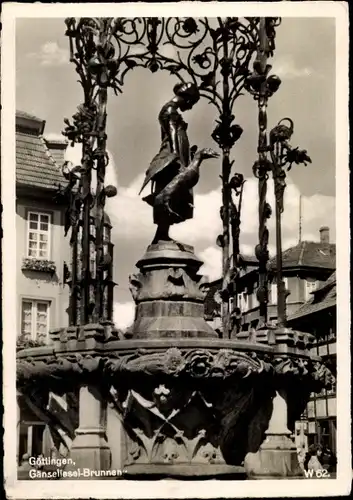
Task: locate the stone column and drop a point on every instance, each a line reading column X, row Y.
column 117, row 439
column 277, row 456
column 90, row 449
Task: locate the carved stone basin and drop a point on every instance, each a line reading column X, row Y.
column 173, row 399
column 176, row 407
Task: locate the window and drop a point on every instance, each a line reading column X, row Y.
column 35, row 319
column 310, row 286
column 243, row 305
column 250, row 301
column 92, row 253
column 255, row 302
column 38, row 235
column 324, row 429
column 273, row 290
column 273, row 293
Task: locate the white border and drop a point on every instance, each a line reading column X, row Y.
column 172, row 488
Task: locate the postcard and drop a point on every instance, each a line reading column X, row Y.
column 175, row 279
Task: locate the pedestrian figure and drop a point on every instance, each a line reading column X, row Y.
column 313, row 458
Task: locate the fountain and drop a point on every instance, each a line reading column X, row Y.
column 171, row 398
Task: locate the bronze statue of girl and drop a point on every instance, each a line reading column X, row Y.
column 173, row 158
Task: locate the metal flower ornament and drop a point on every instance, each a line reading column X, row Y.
column 212, row 54
column 261, row 85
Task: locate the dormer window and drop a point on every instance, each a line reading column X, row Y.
column 38, row 235
column 273, row 296
column 310, row 287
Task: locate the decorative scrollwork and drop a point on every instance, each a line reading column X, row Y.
column 214, row 54
column 93, row 53
column 187, row 47
column 262, row 86
column 282, row 155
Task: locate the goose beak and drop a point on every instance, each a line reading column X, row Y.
column 213, row 154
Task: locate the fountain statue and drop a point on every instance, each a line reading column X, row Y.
column 168, row 284
column 170, row 172
column 169, row 398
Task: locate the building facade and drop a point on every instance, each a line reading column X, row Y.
column 41, row 250
column 306, row 266
column 319, row 317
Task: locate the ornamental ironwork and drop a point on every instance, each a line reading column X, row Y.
column 215, row 55
column 261, row 85
column 283, row 156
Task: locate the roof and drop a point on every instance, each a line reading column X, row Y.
column 323, row 298
column 327, row 284
column 309, row 254
column 23, row 114
column 35, row 167
column 305, row 254
column 57, row 149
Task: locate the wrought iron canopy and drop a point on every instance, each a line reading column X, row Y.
column 215, row 54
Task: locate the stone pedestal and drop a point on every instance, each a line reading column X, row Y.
column 90, row 449
column 169, row 294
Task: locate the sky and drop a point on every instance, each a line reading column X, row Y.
column 46, row 86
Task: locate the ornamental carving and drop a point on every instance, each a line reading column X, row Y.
column 200, row 363
column 170, row 426
column 168, row 283
column 57, row 373
column 179, row 406
column 314, row 372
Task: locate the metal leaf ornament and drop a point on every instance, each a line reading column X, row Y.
column 297, row 156
column 190, row 26
column 226, row 136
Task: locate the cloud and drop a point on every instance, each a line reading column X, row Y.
column 132, row 220
column 50, row 54
column 166, row 49
column 212, row 258
column 73, row 154
column 289, row 69
column 134, row 216
column 123, row 314
column 132, row 225
column 317, row 210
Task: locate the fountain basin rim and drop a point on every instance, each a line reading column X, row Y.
column 127, row 346
column 192, row 343
column 124, row 347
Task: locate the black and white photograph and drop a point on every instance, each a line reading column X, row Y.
column 175, row 198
